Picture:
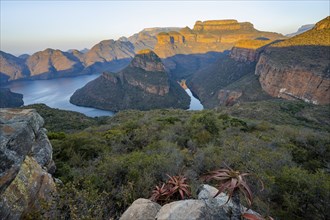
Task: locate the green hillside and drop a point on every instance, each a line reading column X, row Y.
column 106, row 163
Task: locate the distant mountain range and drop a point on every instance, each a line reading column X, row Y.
column 223, row 61
column 114, row 55
column 301, row 30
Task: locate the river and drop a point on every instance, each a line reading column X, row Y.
column 56, row 93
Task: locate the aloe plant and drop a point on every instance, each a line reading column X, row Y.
column 234, row 183
column 250, row 216
column 175, row 188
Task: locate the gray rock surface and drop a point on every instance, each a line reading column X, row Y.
column 191, row 210
column 206, row 207
column 25, row 159
column 141, row 209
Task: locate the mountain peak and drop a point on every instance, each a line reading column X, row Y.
column 148, row 60
column 323, row 24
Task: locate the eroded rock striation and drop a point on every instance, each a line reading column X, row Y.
column 214, row 35
column 142, row 85
column 298, row 68
column 25, row 163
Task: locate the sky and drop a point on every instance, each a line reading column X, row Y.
column 31, row 26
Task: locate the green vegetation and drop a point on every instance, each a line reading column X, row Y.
column 107, row 163
column 226, row 74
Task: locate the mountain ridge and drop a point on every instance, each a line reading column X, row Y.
column 142, row 85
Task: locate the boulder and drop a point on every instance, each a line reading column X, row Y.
column 141, row 209
column 191, row 209
column 205, row 207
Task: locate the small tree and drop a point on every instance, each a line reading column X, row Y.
column 234, row 183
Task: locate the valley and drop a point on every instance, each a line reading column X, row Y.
column 151, row 121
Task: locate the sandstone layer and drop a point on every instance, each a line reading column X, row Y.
column 215, row 35
column 25, row 163
column 298, row 68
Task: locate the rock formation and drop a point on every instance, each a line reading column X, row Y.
column 298, row 68
column 25, row 163
column 10, row 99
column 205, row 207
column 143, row 85
column 248, row 50
column 215, row 35
column 146, row 39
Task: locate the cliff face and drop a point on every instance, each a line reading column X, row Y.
column 215, row 35
column 146, row 39
column 10, row 99
column 143, row 85
column 25, row 163
column 298, row 68
column 248, row 50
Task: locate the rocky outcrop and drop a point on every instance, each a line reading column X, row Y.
column 248, row 50
column 25, row 163
column 205, row 207
column 146, row 39
column 298, row 68
column 141, row 209
column 215, row 35
column 244, row 54
column 142, row 85
column 10, row 99
column 220, row 25
column 148, row 60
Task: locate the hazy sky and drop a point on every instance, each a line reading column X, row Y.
column 30, row 26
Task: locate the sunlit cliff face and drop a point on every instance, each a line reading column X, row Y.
column 214, row 35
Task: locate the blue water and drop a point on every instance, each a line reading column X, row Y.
column 56, row 93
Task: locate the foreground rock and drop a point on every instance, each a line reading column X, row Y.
column 141, row 209
column 205, row 207
column 10, row 99
column 298, row 68
column 26, row 164
column 142, row 85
